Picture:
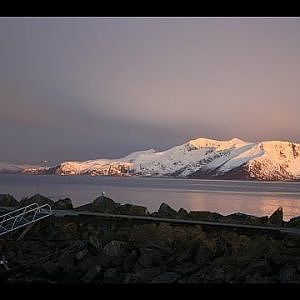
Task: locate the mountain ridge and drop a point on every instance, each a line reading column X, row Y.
column 197, row 158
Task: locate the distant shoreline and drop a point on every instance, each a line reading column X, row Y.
column 220, row 178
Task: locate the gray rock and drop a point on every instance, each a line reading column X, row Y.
column 166, row 277
column 8, row 200
column 205, row 215
column 182, row 213
column 92, row 273
column 157, row 247
column 135, row 210
column 113, row 275
column 294, row 222
column 63, row 204
column 37, row 198
column 288, row 274
column 197, row 277
column 66, row 262
column 165, row 211
column 254, row 279
column 257, row 266
column 117, row 261
column 114, row 248
column 245, row 219
column 216, row 275
column 179, row 258
column 51, row 268
column 203, row 255
column 144, row 275
column 105, row 261
column 104, row 205
column 65, row 231
column 81, row 254
column 277, row 217
column 94, row 244
column 86, row 263
column 129, row 261
column 186, row 268
column 146, row 260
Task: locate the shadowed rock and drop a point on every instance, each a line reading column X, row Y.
column 277, row 217
column 101, row 204
column 165, row 211
column 8, row 200
column 182, row 213
column 245, row 219
column 205, row 215
column 104, row 205
column 136, row 210
column 114, row 248
column 294, row 222
column 63, row 204
column 167, row 277
column 37, row 198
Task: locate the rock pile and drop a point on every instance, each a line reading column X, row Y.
column 83, row 249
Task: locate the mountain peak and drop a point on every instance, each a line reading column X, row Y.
column 204, row 142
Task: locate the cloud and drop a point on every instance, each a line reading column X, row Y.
column 86, row 88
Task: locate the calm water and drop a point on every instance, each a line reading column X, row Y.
column 225, row 197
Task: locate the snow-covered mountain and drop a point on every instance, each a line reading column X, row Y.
column 204, row 158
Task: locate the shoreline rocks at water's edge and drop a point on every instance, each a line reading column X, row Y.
column 85, row 249
column 105, row 204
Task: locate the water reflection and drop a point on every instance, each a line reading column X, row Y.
column 254, row 198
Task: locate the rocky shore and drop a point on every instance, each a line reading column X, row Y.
column 90, row 249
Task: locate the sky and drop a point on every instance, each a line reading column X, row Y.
column 87, row 88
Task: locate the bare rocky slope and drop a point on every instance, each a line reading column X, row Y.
column 79, row 249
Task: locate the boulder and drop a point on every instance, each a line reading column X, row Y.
column 114, row 248
column 256, row 266
column 157, row 247
column 294, row 222
column 8, row 200
column 277, row 217
column 186, row 268
column 203, row 254
column 146, row 260
column 130, row 260
column 63, row 204
column 216, row 275
column 104, row 204
column 37, row 198
column 205, row 215
column 245, row 219
column 66, row 231
column 92, row 273
column 113, row 275
column 136, row 210
column 143, row 275
column 166, row 277
column 197, row 277
column 182, row 213
column 66, row 262
column 288, row 274
column 165, row 211
column 263, row 220
column 51, row 269
column 81, row 254
column 93, row 244
column 84, row 265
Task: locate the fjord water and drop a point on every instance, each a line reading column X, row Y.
column 223, row 196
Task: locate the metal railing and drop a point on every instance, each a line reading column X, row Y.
column 23, row 216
